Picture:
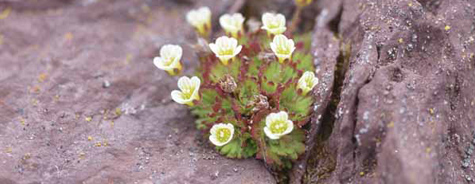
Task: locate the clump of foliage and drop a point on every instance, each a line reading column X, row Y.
column 252, row 90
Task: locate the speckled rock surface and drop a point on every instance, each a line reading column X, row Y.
column 81, row 102
column 406, row 111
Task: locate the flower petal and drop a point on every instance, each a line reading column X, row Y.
column 231, row 23
column 290, row 127
column 225, row 48
column 273, row 23
column 195, row 81
column 283, row 115
column 232, row 43
column 215, row 141
column 273, row 47
column 214, row 48
column 237, row 50
column 177, row 97
column 214, row 131
column 315, row 82
column 158, row 62
column 269, row 119
column 184, row 83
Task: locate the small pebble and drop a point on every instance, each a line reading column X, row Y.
column 215, row 175
column 106, row 84
column 465, row 163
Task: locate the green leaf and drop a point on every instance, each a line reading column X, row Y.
column 254, row 67
column 287, row 73
column 208, row 97
column 247, row 90
column 203, row 110
column 226, row 106
column 272, row 72
column 296, row 104
column 234, row 149
column 306, row 62
column 288, row 147
column 306, row 38
column 272, row 77
column 235, row 68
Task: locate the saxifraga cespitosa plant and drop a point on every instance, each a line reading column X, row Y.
column 252, row 92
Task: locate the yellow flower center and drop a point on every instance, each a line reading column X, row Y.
column 168, row 61
column 278, row 127
column 187, row 92
column 226, row 51
column 309, row 82
column 273, row 24
column 223, row 134
column 281, row 49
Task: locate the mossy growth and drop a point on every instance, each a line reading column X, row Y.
column 253, row 85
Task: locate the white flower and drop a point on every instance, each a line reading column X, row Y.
column 307, row 82
column 221, row 134
column 232, row 24
column 273, row 23
column 200, row 19
column 225, row 48
column 189, row 90
column 169, row 59
column 277, row 125
column 282, row 47
column 303, row 3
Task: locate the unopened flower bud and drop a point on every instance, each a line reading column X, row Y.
column 227, row 84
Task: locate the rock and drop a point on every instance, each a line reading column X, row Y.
column 422, row 50
column 326, row 53
column 71, row 130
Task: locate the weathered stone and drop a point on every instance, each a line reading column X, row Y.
column 58, row 124
column 424, row 51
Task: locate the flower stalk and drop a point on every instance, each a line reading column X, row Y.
column 297, row 13
column 295, row 19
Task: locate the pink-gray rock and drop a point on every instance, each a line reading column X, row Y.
column 406, row 111
column 81, row 102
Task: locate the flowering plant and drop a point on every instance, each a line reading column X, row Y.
column 251, row 93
